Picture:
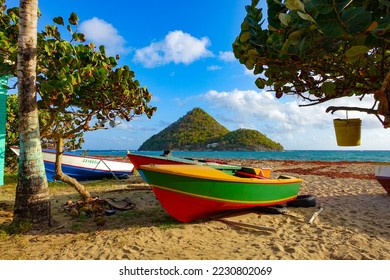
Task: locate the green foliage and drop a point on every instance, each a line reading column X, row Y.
column 17, row 227
column 197, row 130
column 320, row 50
column 248, row 139
column 9, row 32
column 80, row 82
column 77, row 83
column 189, row 132
column 12, row 131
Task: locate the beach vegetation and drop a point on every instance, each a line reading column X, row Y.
column 12, row 132
column 320, row 50
column 77, row 226
column 80, row 88
column 197, row 130
column 171, row 224
column 16, row 227
column 3, row 234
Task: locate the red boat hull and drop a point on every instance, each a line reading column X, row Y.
column 200, row 207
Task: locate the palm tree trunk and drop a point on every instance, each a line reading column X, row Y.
column 65, row 178
column 32, row 200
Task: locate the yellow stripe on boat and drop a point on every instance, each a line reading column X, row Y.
column 208, row 173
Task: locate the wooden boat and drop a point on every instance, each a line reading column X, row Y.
column 191, row 192
column 140, row 159
column 382, row 174
column 84, row 168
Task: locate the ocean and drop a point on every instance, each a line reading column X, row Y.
column 301, row 155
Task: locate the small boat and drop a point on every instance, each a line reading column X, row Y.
column 382, row 174
column 84, row 168
column 167, row 158
column 191, row 192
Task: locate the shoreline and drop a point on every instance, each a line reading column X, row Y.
column 354, row 223
column 295, row 155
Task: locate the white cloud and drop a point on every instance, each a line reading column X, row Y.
column 213, row 68
column 177, row 47
column 294, row 127
column 226, row 56
column 248, row 72
column 103, row 33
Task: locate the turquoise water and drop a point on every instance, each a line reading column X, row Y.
column 303, row 155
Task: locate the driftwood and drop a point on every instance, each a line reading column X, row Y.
column 245, row 225
column 316, row 214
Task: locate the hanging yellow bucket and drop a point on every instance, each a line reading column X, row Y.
column 347, row 131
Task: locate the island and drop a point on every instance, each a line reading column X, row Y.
column 198, row 131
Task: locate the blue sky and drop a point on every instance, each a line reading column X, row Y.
column 182, row 52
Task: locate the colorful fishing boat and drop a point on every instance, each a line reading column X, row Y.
column 84, row 168
column 191, row 192
column 382, row 174
column 141, row 159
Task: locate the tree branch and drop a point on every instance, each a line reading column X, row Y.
column 333, row 109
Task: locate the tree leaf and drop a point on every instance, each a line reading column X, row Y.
column 328, row 88
column 356, row 51
column 260, row 83
column 245, row 36
column 73, row 19
column 329, row 25
column 305, row 16
column 322, row 6
column 295, row 5
column 284, row 19
column 58, row 20
column 357, row 19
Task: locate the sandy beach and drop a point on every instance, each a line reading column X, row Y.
column 354, row 223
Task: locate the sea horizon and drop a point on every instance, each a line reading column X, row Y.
column 299, row 155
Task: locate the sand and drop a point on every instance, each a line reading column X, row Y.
column 354, row 223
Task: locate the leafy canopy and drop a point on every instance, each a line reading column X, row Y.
column 77, row 82
column 320, row 50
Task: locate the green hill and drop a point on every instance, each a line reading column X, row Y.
column 188, row 133
column 248, row 140
column 198, row 131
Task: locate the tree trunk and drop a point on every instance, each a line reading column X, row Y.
column 32, row 200
column 65, row 178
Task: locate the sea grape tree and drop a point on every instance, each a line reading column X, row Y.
column 320, row 50
column 77, row 85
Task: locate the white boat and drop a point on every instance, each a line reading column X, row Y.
column 84, row 168
column 382, row 174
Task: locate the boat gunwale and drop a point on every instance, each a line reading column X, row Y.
column 223, row 176
column 183, row 161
